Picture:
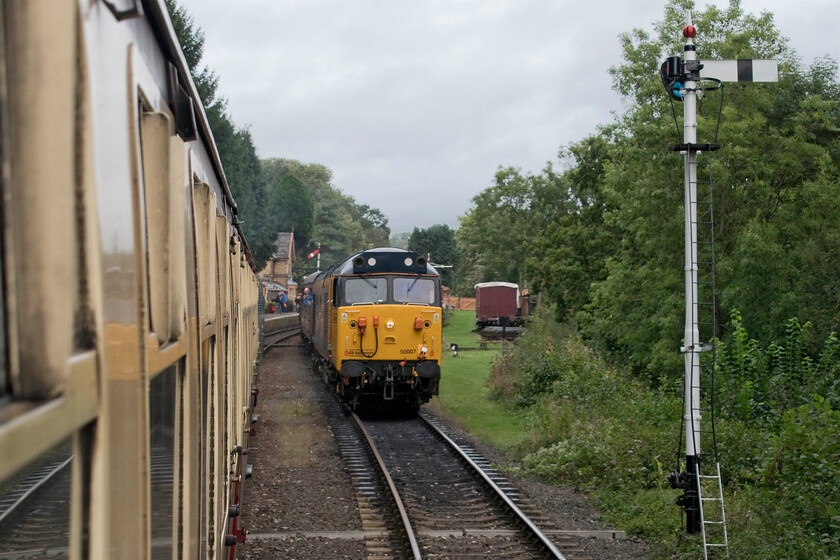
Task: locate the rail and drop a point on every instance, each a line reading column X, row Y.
column 394, row 494
column 522, row 519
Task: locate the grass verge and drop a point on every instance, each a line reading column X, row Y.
column 464, row 394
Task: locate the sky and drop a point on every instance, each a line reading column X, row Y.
column 415, row 104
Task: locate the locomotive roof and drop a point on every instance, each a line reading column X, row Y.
column 382, row 260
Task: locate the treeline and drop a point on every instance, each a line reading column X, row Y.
column 278, row 195
column 600, row 235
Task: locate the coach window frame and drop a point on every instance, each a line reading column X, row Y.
column 68, row 403
column 5, row 185
column 161, row 159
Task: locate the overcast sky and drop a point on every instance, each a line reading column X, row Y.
column 414, row 104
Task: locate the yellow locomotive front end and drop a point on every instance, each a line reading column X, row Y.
column 385, row 328
column 389, row 351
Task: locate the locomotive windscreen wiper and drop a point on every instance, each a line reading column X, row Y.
column 408, row 291
column 366, row 279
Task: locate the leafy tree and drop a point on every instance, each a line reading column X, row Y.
column 291, row 208
column 602, row 239
column 493, row 233
column 374, row 226
column 191, row 38
column 774, row 212
column 438, row 242
column 574, row 242
column 338, row 223
column 400, row 239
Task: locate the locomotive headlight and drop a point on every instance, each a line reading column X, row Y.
column 389, row 324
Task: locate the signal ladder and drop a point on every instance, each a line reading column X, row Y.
column 708, row 486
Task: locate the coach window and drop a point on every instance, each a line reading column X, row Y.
column 163, row 410
column 208, row 444
column 163, row 180
column 205, row 225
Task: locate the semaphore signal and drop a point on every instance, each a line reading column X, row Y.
column 316, row 252
column 683, row 77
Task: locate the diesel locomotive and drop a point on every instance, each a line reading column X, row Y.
column 375, row 326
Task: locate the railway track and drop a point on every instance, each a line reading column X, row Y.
column 279, row 338
column 35, row 509
column 422, row 495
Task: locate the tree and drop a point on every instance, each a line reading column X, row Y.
column 574, row 241
column 493, row 233
column 375, row 230
column 438, row 242
column 291, row 208
column 603, row 238
column 775, row 213
column 340, row 225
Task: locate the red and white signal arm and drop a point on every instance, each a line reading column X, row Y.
column 741, row 70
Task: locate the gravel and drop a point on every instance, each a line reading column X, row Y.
column 300, row 503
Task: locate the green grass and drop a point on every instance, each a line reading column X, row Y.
column 464, row 394
column 459, row 329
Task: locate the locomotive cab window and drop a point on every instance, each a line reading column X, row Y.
column 365, row 290
column 415, row 290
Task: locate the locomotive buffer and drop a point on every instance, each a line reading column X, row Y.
column 683, row 78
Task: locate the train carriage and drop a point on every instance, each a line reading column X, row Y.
column 129, row 300
column 497, row 304
column 375, row 323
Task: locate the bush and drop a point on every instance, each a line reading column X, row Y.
column 590, row 424
column 806, row 471
column 596, row 427
column 757, row 385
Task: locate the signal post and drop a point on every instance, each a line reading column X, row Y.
column 681, row 77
